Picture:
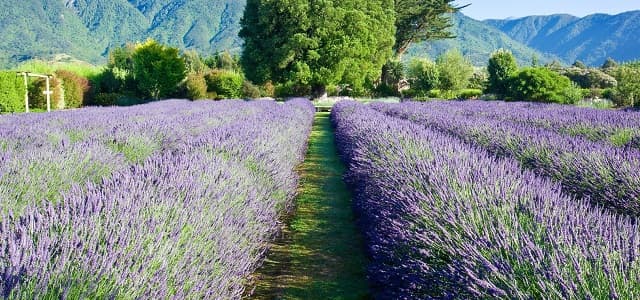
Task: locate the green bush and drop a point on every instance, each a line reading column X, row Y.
column 157, row 69
column 37, row 97
column 106, row 99
column 423, row 75
column 467, row 94
column 589, row 78
column 541, row 85
column 196, row 87
column 250, row 91
column 75, row 88
column 226, row 84
column 455, row 71
column 502, row 65
column 628, row 89
column 12, row 92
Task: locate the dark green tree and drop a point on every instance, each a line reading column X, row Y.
column 317, row 43
column 158, row 69
column 609, row 64
column 502, row 65
column 422, row 20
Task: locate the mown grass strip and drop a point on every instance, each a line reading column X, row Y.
column 320, row 254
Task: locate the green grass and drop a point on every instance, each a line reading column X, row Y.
column 320, row 255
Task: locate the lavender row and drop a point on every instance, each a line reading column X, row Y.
column 445, row 220
column 192, row 222
column 606, row 175
column 44, row 154
column 617, row 128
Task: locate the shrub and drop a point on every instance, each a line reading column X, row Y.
column 269, row 90
column 541, row 85
column 423, row 75
column 467, row 94
column 455, row 70
column 12, row 92
column 589, row 78
column 158, row 69
column 196, row 87
column 628, row 89
column 106, row 99
column 37, row 98
column 226, row 84
column 249, row 90
column 502, row 65
column 75, row 87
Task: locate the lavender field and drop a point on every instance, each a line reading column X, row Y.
column 469, row 200
column 174, row 199
column 262, row 200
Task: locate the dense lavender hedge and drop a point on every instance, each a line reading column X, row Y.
column 442, row 219
column 605, row 174
column 616, row 127
column 190, row 221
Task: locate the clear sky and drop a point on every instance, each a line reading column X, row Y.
column 502, row 9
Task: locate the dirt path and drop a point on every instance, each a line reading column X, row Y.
column 320, row 255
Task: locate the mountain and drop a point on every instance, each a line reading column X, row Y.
column 590, row 39
column 88, row 29
column 477, row 40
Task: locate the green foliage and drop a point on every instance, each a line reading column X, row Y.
column 423, row 75
column 196, row 87
column 226, row 84
column 542, row 85
column 392, row 75
column 106, row 99
column 158, row 69
column 502, row 65
column 75, row 88
column 589, row 78
column 468, row 94
column 194, row 63
column 82, row 69
column 297, row 43
column 12, row 92
column 455, row 70
column 579, row 64
column 37, row 97
column 609, row 63
column 627, row 93
column 418, row 21
column 250, row 91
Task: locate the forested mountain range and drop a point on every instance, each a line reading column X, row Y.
column 88, row 29
column 590, row 39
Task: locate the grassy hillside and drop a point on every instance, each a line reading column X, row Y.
column 591, row 39
column 478, row 40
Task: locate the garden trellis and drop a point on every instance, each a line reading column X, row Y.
column 48, row 92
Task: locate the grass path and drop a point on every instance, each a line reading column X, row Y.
column 320, row 254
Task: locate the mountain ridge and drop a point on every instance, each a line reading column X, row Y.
column 88, row 29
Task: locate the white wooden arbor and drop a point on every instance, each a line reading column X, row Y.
column 48, row 92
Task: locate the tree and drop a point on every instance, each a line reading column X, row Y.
column 579, row 64
column 455, row 70
column 158, row 69
column 422, row 20
column 609, row 64
column 317, row 43
column 502, row 65
column 423, row 75
column 628, row 89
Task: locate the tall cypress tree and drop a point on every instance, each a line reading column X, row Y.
column 315, row 43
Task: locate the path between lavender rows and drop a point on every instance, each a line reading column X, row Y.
column 320, row 253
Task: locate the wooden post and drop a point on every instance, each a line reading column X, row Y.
column 26, row 92
column 48, row 92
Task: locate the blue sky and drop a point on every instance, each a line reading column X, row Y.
column 501, row 9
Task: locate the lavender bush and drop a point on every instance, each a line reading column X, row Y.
column 445, row 220
column 189, row 221
column 605, row 174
